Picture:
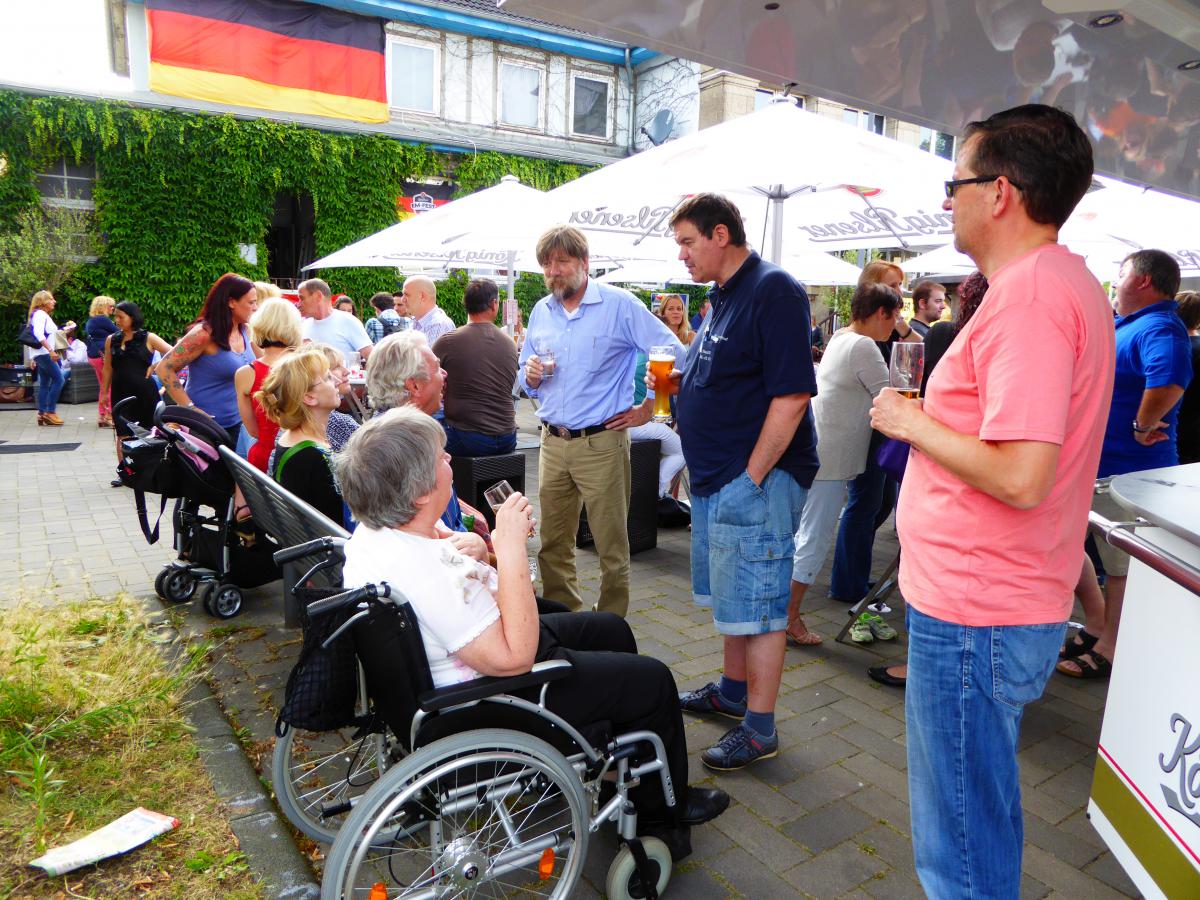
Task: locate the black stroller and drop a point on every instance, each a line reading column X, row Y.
column 218, row 556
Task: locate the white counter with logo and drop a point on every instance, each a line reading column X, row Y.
column 1145, row 798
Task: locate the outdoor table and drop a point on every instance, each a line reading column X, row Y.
column 1145, row 799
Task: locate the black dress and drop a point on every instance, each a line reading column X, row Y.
column 130, row 362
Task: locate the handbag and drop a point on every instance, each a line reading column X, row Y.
column 323, row 685
column 892, row 457
column 25, row 338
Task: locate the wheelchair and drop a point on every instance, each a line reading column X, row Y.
column 490, row 792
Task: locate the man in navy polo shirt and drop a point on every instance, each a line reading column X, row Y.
column 750, row 446
column 1154, row 367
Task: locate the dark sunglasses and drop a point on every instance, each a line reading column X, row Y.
column 952, row 186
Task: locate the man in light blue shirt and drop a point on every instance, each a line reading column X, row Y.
column 594, row 332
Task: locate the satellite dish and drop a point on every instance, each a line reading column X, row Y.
column 660, row 126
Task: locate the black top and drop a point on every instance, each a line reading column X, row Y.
column 1187, row 435
column 130, row 363
column 937, row 342
column 308, row 475
column 752, row 347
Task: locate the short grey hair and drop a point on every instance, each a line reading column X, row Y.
column 393, row 361
column 315, row 284
column 404, row 446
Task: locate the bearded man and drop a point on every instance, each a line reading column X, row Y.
column 594, row 333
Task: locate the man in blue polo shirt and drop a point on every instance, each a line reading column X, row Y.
column 1154, row 367
column 751, row 449
column 594, row 332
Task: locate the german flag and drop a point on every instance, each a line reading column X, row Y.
column 269, row 54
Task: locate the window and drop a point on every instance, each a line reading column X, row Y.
column 937, row 142
column 68, row 184
column 589, row 106
column 520, row 95
column 860, row 119
column 412, row 75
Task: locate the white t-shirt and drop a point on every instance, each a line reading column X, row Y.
column 452, row 595
column 338, row 329
column 43, row 329
column 851, row 373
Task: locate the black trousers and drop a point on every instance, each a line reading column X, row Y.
column 612, row 682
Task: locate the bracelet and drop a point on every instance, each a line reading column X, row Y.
column 1138, row 429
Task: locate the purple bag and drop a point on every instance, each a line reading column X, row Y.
column 892, row 457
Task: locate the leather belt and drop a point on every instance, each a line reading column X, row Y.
column 568, row 433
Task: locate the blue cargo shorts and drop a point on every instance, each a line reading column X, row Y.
column 742, row 546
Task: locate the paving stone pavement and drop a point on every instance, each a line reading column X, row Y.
column 827, row 818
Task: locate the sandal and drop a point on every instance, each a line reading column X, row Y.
column 1090, row 665
column 804, row 638
column 1077, row 643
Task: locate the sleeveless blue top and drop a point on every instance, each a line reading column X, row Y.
column 210, row 382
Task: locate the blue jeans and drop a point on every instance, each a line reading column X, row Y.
column 50, row 383
column 967, row 688
column 475, row 443
column 742, row 545
column 856, row 531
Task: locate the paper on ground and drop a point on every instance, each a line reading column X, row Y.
column 131, row 830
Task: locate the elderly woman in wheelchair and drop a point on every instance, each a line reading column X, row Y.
column 578, row 728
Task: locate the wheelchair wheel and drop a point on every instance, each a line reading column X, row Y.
column 324, row 772
column 625, row 883
column 490, row 811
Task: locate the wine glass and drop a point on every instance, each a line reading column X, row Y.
column 497, row 494
column 907, row 367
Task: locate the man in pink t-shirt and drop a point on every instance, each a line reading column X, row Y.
column 993, row 510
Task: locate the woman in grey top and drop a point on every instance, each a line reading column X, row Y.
column 851, row 373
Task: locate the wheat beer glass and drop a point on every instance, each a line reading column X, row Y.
column 908, row 365
column 662, row 361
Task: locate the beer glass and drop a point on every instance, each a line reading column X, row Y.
column 908, row 365
column 662, row 361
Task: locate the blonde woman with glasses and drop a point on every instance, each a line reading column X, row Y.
column 298, row 395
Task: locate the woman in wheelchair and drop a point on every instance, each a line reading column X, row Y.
column 476, row 620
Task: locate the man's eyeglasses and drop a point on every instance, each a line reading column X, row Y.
column 952, row 186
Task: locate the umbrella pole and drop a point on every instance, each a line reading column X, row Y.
column 510, row 304
column 777, row 197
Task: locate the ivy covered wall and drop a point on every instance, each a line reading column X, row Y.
column 176, row 193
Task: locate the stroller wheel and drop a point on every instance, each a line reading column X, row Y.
column 179, row 585
column 160, row 583
column 224, row 601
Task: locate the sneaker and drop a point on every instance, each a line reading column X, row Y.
column 860, row 631
column 879, row 627
column 738, row 748
column 708, row 700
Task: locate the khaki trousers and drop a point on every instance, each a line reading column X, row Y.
column 592, row 470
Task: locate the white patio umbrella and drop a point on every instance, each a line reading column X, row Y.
column 806, row 266
column 779, row 158
column 1103, row 259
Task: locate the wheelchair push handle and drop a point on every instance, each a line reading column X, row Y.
column 351, row 597
column 324, row 544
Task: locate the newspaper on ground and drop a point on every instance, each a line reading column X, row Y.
column 131, row 830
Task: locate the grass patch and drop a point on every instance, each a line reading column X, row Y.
column 91, row 726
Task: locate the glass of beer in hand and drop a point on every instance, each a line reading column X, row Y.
column 662, row 361
column 908, row 365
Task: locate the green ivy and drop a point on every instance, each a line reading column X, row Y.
column 177, row 192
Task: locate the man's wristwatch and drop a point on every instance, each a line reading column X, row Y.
column 1139, row 429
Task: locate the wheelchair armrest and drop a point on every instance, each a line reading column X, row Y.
column 482, row 688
